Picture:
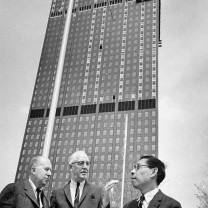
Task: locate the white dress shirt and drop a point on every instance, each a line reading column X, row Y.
column 148, row 197
column 73, row 186
column 35, row 192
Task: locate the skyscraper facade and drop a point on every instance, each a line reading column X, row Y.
column 110, row 73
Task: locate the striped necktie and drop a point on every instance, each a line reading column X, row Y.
column 142, row 198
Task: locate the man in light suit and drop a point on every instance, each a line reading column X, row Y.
column 79, row 192
column 146, row 176
column 29, row 193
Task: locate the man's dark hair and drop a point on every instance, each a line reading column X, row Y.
column 154, row 162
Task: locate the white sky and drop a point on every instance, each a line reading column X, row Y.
column 183, row 86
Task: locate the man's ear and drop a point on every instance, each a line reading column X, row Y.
column 70, row 166
column 154, row 172
column 33, row 170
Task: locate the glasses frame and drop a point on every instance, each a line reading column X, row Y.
column 81, row 163
column 138, row 167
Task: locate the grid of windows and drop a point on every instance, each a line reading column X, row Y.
column 110, row 72
column 123, row 51
column 141, row 52
column 154, row 49
column 62, row 147
column 97, row 79
column 32, row 145
column 86, row 77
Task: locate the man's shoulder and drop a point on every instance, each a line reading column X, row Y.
column 8, row 188
column 13, row 186
column 167, row 199
column 92, row 185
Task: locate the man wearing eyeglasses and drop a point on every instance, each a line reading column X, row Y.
column 79, row 192
column 146, row 176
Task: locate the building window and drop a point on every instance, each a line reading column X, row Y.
column 102, row 157
column 116, row 157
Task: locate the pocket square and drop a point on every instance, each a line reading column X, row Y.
column 92, row 196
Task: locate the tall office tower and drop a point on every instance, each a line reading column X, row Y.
column 110, row 73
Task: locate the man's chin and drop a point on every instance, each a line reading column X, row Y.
column 134, row 183
column 46, row 181
column 84, row 175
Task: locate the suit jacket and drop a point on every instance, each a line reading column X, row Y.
column 92, row 197
column 160, row 200
column 20, row 195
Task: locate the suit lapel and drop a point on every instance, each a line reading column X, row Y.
column 68, row 193
column 156, row 201
column 85, row 191
column 29, row 191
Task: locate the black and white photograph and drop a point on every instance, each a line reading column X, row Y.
column 104, row 101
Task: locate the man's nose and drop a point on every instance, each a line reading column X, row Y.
column 85, row 165
column 49, row 172
column 133, row 171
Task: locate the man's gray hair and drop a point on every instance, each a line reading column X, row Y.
column 75, row 156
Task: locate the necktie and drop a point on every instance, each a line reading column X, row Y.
column 38, row 195
column 76, row 200
column 142, row 198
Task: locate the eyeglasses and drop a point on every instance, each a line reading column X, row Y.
column 81, row 163
column 138, row 166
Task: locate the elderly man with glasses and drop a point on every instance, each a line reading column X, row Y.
column 79, row 192
column 146, row 176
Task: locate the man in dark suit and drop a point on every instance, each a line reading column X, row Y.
column 146, row 176
column 79, row 192
column 29, row 193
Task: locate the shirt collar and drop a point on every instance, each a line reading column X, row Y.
column 149, row 195
column 33, row 186
column 73, row 183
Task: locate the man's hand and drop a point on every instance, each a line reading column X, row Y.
column 108, row 188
